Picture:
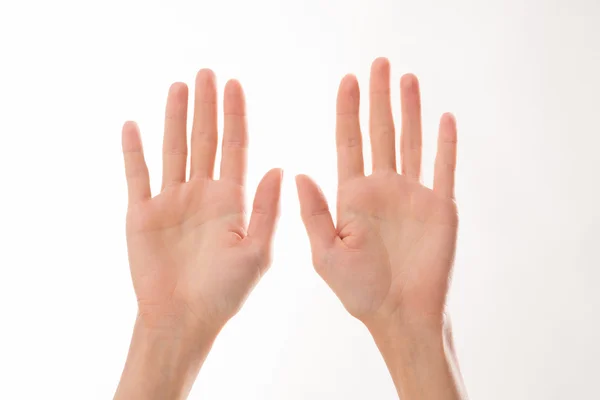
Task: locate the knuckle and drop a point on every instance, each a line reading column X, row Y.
column 205, row 135
column 350, row 141
column 384, row 130
column 235, row 144
column 175, row 151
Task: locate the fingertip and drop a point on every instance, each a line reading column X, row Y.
column 380, row 64
column 448, row 131
column 409, row 81
column 131, row 139
column 275, row 171
column 380, row 76
column 129, row 126
column 348, row 100
column 275, row 177
column 234, row 101
column 307, row 186
column 297, row 179
column 272, row 179
column 233, row 86
column 277, row 174
column 448, row 117
column 206, row 74
column 348, row 84
column 178, row 88
column 302, row 179
column 302, row 183
column 206, row 85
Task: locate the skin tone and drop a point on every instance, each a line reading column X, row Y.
column 389, row 255
column 193, row 257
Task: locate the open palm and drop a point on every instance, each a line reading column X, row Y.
column 190, row 253
column 391, row 251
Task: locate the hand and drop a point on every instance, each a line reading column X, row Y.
column 192, row 259
column 391, row 252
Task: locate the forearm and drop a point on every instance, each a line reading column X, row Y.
column 421, row 360
column 163, row 361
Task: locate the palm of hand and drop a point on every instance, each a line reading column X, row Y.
column 189, row 250
column 391, row 251
column 396, row 246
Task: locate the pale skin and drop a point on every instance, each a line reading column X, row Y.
column 388, row 256
column 193, row 258
column 390, row 253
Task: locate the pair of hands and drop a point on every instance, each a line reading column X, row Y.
column 388, row 257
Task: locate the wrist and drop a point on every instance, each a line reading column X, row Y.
column 164, row 357
column 406, row 327
column 403, row 337
column 420, row 356
column 189, row 336
column 175, row 320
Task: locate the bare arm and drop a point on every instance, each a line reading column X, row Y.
column 421, row 360
column 193, row 258
column 390, row 253
column 163, row 362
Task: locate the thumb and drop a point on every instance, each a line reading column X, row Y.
column 265, row 210
column 315, row 213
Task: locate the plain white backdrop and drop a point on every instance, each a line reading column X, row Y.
column 522, row 78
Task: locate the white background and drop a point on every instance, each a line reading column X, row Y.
column 522, row 78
